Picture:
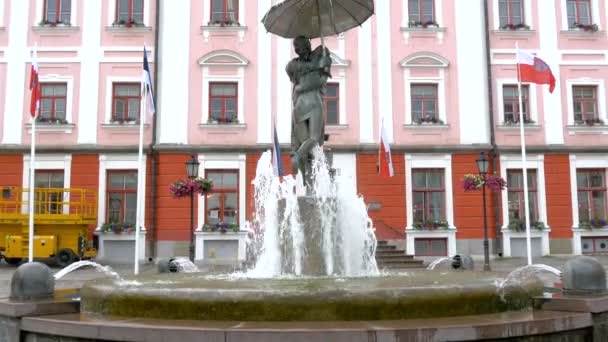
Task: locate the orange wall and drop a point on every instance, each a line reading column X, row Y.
column 85, row 175
column 389, row 192
column 11, row 170
column 559, row 200
column 468, row 206
column 173, row 214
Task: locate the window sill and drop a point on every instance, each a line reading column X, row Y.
column 226, row 30
column 48, row 28
column 51, row 128
column 415, row 231
column 426, row 126
column 336, row 127
column 515, row 127
column 126, row 29
column 421, row 32
column 423, row 29
column 223, row 126
column 125, row 126
column 583, row 34
column 598, row 129
column 516, row 33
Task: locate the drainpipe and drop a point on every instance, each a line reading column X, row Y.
column 152, row 147
column 494, row 152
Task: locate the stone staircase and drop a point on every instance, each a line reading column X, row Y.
column 391, row 258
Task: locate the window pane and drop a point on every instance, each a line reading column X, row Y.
column 428, row 10
column 114, row 208
column 419, row 179
column 56, row 179
column 513, row 203
column 46, row 89
column 216, row 105
column 582, row 179
column 436, row 205
column 532, row 206
column 131, row 207
column 584, row 14
column 418, row 206
column 230, row 201
column 133, row 109
column 414, row 10
column 46, row 107
column 531, row 179
column 133, row 89
column 503, row 12
column 213, row 208
column 51, row 10
column 435, row 180
column 138, row 11
column 131, row 180
column 66, row 7
column 516, row 15
column 120, row 106
column 597, row 179
column 599, row 204
column 117, row 181
column 230, row 105
column 123, row 10
column 331, row 90
column 60, row 108
column 229, row 181
column 59, row 90
column 583, row 206
column 121, row 90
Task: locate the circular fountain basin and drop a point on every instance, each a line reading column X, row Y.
column 413, row 295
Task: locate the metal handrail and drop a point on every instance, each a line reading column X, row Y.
column 49, row 202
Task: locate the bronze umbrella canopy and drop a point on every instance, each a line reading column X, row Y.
column 316, row 18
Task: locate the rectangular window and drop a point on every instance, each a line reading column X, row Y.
column 424, row 103
column 331, row 101
column 428, row 195
column 224, row 12
column 585, row 104
column 591, row 187
column 510, row 103
column 223, row 98
column 130, row 11
column 53, row 102
column 125, row 102
column 421, row 11
column 122, row 196
column 431, row 247
column 57, row 11
column 579, row 12
column 510, row 12
column 516, row 203
column 222, row 204
column 48, row 201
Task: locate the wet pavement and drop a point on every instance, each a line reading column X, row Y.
column 75, row 279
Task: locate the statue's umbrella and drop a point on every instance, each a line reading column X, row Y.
column 316, row 18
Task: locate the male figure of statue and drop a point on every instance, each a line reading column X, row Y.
column 308, row 73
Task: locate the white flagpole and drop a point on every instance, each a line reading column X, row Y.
column 524, row 168
column 140, row 177
column 31, row 191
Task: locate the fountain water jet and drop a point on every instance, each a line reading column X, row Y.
column 72, row 267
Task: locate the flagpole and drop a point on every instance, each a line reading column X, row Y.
column 524, row 167
column 31, row 191
column 140, row 190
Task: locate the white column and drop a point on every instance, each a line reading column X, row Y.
column 283, row 105
column 384, row 63
column 472, row 73
column 366, row 107
column 16, row 55
column 552, row 103
column 174, row 76
column 89, row 72
column 264, row 84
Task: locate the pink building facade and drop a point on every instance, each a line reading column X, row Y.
column 440, row 75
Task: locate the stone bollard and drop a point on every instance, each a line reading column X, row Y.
column 584, row 275
column 167, row 266
column 32, row 281
column 462, row 262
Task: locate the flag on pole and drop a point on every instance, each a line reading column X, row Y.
column 147, row 82
column 35, row 85
column 533, row 69
column 277, row 163
column 385, row 161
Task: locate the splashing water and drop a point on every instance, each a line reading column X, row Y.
column 185, row 265
column 547, row 274
column 348, row 242
column 72, row 267
column 434, row 264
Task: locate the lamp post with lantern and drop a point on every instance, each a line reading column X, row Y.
column 482, row 168
column 192, row 170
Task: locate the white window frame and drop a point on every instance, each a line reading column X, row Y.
column 223, row 162
column 207, row 12
column 239, row 63
column 533, row 162
column 532, row 101
column 438, row 63
column 112, row 12
column 108, row 162
column 406, row 12
column 429, row 161
column 109, row 83
column 583, row 161
column 339, row 76
column 69, row 100
column 527, row 14
column 601, row 96
column 595, row 14
column 40, row 12
column 48, row 162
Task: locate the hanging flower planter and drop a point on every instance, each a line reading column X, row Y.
column 184, row 188
column 475, row 182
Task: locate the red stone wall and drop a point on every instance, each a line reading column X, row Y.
column 172, row 214
column 85, row 175
column 11, row 170
column 559, row 200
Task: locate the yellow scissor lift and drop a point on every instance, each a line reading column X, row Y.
column 61, row 221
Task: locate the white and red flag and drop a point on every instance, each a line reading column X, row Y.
column 533, row 69
column 385, row 168
column 34, row 85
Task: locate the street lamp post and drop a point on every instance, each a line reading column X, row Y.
column 192, row 170
column 482, row 167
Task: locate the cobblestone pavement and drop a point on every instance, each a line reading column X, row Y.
column 77, row 278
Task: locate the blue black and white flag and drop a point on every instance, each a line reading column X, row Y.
column 277, row 163
column 147, row 83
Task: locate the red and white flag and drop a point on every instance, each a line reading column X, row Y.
column 533, row 69
column 34, row 85
column 385, row 168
